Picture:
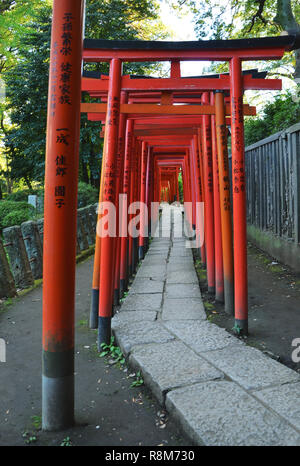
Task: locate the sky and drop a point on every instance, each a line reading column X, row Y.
column 182, row 29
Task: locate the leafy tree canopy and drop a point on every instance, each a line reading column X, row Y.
column 277, row 116
column 15, row 17
column 27, row 80
column 218, row 19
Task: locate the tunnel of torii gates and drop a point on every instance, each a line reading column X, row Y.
column 154, row 128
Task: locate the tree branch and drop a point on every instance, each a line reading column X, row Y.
column 258, row 14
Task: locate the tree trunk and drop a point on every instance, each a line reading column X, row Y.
column 27, row 181
column 85, row 173
column 287, row 21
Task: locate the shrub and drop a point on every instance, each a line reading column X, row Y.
column 22, row 195
column 16, row 217
column 87, row 194
column 278, row 115
column 18, row 196
column 11, row 208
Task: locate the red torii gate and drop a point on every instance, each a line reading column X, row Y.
column 61, row 190
column 98, row 88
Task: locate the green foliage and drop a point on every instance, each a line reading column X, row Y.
column 244, row 19
column 14, row 213
column 113, row 351
column 277, row 116
column 87, row 194
column 138, row 381
column 37, row 422
column 66, row 442
column 8, row 206
column 16, row 217
column 14, row 19
column 180, row 187
column 236, row 19
column 27, row 83
column 26, row 91
column 22, row 194
column 30, row 438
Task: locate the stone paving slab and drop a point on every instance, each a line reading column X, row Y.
column 202, row 335
column 223, row 414
column 186, row 252
column 142, row 285
column 182, row 290
column 179, row 266
column 160, row 246
column 145, row 302
column 126, row 317
column 169, row 365
column 154, row 252
column 250, row 367
column 180, row 260
column 284, row 400
column 182, row 276
column 157, row 272
column 140, row 333
column 155, row 259
column 183, row 309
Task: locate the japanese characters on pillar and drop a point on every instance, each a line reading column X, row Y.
column 126, row 193
column 238, row 170
column 225, row 207
column 108, row 187
column 208, row 197
column 219, row 277
column 111, row 164
column 61, row 94
column 61, row 178
column 239, row 196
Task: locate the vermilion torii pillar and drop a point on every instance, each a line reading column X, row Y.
column 239, row 197
column 61, row 179
column 143, row 218
column 225, row 209
column 109, row 169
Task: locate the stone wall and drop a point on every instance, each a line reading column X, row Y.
column 21, row 250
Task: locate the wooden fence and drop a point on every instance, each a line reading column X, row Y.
column 273, row 194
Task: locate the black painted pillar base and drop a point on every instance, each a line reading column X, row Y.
column 117, row 297
column 211, row 289
column 228, row 297
column 134, row 255
column 94, row 309
column 123, row 287
column 130, row 270
column 58, row 390
column 141, row 253
column 104, row 331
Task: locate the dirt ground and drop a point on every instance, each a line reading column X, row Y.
column 274, row 306
column 109, row 411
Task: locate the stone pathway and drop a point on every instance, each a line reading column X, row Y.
column 221, row 391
